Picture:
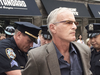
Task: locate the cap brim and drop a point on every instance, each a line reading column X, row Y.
column 47, row 36
column 91, row 35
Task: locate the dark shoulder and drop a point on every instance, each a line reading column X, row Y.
column 6, row 47
column 6, row 43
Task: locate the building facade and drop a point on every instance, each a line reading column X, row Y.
column 36, row 12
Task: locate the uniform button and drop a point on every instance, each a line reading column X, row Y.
column 21, row 67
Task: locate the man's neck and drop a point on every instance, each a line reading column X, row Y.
column 62, row 46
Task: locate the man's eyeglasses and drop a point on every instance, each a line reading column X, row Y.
column 67, row 22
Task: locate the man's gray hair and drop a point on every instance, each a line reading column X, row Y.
column 52, row 17
column 16, row 31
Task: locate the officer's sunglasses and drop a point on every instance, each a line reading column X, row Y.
column 67, row 22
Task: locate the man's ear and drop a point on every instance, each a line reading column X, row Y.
column 18, row 35
column 52, row 28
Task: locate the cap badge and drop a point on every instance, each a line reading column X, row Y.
column 91, row 27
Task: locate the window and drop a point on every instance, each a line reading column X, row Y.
column 25, row 20
column 94, row 21
column 44, row 22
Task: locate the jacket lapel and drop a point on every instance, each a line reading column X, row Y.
column 52, row 60
column 84, row 57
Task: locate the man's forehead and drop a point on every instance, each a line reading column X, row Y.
column 26, row 36
column 65, row 17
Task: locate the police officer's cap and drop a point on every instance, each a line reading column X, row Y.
column 9, row 30
column 93, row 29
column 29, row 29
column 45, row 33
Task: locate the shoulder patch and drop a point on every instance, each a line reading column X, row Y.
column 10, row 53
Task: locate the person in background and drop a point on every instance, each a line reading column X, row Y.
column 2, row 37
column 61, row 56
column 88, row 42
column 44, row 36
column 9, row 31
column 93, row 31
column 13, row 51
column 36, row 44
column 80, row 39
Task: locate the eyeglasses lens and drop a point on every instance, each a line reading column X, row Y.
column 71, row 22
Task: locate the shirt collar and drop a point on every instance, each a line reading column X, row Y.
column 58, row 52
column 72, row 49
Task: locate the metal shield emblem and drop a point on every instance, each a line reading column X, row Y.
column 91, row 27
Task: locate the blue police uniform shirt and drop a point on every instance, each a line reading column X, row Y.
column 95, row 61
column 11, row 57
column 74, row 68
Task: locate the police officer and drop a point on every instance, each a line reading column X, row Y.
column 44, row 36
column 9, row 31
column 13, row 51
column 93, row 31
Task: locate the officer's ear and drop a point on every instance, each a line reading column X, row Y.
column 18, row 35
